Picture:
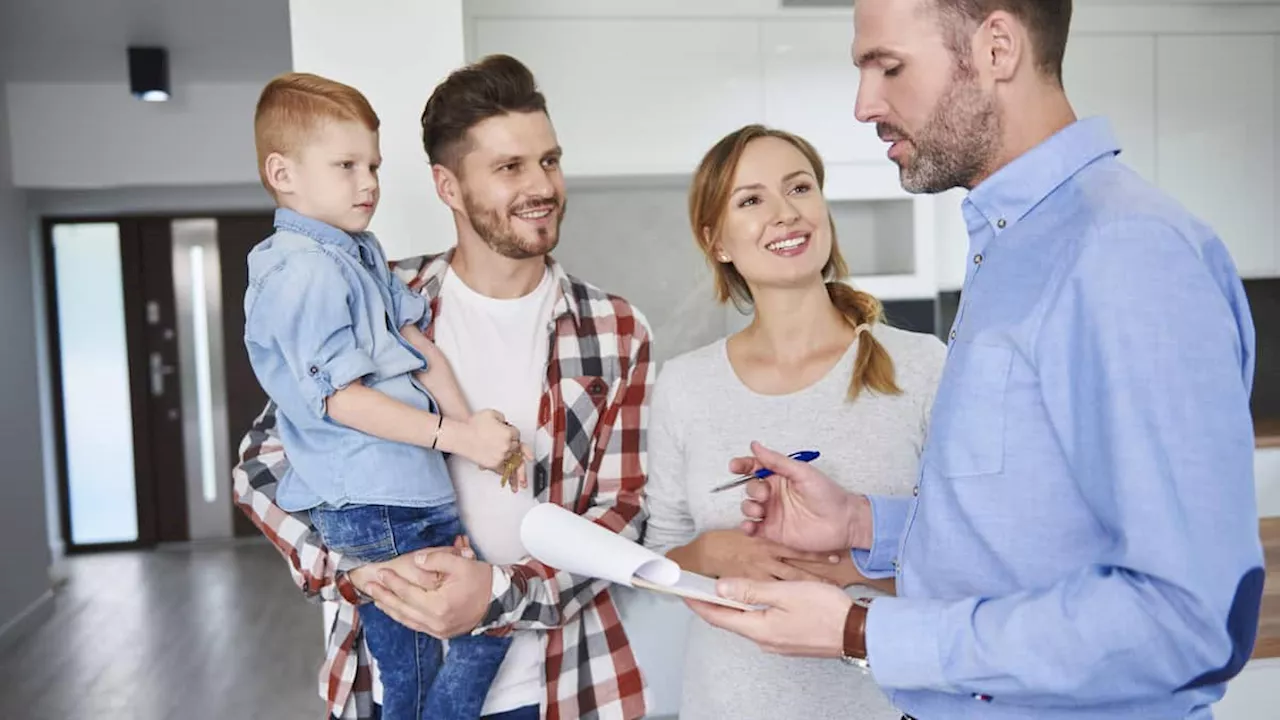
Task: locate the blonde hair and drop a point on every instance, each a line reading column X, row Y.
column 294, row 105
column 708, row 203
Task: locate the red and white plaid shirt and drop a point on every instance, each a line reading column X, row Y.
column 590, row 458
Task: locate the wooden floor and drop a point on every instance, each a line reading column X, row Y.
column 167, row 635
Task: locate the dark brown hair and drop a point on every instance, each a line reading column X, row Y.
column 709, row 201
column 496, row 85
column 1047, row 21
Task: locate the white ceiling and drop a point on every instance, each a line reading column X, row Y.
column 85, row 40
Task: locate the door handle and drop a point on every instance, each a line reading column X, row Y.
column 158, row 371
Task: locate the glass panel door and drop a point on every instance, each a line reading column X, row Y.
column 97, row 414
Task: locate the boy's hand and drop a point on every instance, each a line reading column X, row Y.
column 514, row 474
column 487, row 439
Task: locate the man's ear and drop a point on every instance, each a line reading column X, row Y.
column 280, row 173
column 448, row 187
column 1004, row 45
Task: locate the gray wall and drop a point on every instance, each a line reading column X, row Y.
column 632, row 239
column 24, row 562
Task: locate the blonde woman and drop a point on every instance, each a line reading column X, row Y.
column 814, row 370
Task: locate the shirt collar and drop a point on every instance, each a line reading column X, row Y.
column 321, row 232
column 1011, row 192
column 431, row 275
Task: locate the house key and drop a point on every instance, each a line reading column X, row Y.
column 509, row 468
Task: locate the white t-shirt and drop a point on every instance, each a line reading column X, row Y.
column 498, row 352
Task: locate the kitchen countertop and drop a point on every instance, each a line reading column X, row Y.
column 1268, row 644
column 1266, row 431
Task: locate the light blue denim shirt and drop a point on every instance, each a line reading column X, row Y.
column 1084, row 543
column 322, row 310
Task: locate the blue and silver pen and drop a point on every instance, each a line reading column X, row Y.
column 801, row 455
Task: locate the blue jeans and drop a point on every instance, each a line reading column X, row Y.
column 417, row 682
column 528, row 712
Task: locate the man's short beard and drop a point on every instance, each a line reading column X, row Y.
column 494, row 228
column 957, row 145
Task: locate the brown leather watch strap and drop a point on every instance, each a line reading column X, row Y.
column 855, row 632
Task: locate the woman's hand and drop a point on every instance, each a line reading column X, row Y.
column 844, row 573
column 732, row 553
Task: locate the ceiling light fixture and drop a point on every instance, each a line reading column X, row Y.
column 149, row 73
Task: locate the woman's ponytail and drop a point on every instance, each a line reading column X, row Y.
column 873, row 368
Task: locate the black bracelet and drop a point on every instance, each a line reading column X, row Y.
column 436, row 439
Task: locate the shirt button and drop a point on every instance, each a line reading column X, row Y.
column 1001, row 223
column 953, row 335
column 977, row 259
column 915, row 491
column 313, row 370
column 895, row 565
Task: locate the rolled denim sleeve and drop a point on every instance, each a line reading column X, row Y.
column 410, row 307
column 888, row 522
column 302, row 326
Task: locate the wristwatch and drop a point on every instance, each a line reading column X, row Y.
column 855, row 635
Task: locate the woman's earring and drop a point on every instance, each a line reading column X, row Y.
column 724, row 258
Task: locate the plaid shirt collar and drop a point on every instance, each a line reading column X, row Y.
column 431, row 276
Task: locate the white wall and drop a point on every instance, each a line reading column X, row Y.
column 96, row 135
column 411, row 46
column 24, row 562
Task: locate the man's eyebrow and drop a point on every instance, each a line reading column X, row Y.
column 873, row 55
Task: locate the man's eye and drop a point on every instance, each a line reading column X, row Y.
column 893, row 71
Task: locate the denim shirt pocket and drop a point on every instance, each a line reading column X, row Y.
column 967, row 430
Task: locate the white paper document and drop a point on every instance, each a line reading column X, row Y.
column 567, row 541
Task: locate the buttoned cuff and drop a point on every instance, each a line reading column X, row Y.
column 338, row 372
column 902, row 644
column 888, row 522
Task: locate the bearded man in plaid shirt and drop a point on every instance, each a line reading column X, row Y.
column 565, row 363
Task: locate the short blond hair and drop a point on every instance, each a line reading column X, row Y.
column 294, row 105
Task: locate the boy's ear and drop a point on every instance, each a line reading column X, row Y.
column 279, row 172
column 448, row 189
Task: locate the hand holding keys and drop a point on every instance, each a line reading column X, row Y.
column 510, row 467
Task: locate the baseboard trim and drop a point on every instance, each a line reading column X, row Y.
column 33, row 616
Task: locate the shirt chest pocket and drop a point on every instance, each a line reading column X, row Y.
column 967, row 428
column 585, row 400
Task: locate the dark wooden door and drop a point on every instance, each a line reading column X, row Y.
column 245, row 399
column 153, row 352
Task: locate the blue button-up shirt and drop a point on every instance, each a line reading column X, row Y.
column 1084, row 543
column 322, row 310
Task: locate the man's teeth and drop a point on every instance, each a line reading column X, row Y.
column 535, row 214
column 787, row 244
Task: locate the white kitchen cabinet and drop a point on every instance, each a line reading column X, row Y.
column 636, row 96
column 1115, row 76
column 810, row 85
column 1216, row 138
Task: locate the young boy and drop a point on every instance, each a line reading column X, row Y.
column 367, row 405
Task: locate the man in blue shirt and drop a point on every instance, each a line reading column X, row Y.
column 1084, row 539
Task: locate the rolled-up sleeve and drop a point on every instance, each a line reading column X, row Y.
column 302, row 320
column 411, row 308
